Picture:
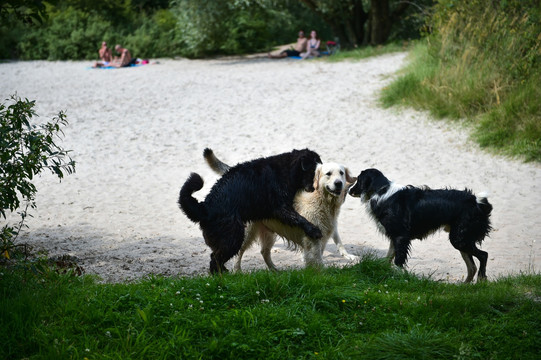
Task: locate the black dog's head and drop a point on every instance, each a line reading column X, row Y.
column 304, row 165
column 369, row 182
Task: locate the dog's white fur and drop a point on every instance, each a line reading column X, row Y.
column 321, row 207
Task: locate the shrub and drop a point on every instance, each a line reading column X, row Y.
column 25, row 151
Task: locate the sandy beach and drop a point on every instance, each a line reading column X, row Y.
column 137, row 134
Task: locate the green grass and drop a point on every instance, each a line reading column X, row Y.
column 367, row 51
column 368, row 311
column 511, row 127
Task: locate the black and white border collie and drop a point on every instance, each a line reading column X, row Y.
column 403, row 213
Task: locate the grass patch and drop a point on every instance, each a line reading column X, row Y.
column 483, row 65
column 370, row 311
column 368, row 51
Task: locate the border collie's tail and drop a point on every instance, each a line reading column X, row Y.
column 483, row 204
column 194, row 210
column 215, row 164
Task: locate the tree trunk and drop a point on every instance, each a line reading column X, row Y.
column 380, row 21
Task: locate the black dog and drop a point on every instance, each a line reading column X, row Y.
column 256, row 190
column 406, row 213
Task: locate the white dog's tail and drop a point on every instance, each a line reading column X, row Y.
column 215, row 164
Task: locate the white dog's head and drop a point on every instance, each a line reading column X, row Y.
column 334, row 178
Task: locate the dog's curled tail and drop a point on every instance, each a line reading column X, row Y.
column 194, row 210
column 483, row 204
column 215, row 164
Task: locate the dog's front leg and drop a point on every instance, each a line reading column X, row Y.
column 401, row 246
column 341, row 248
column 313, row 251
column 390, row 252
column 290, row 217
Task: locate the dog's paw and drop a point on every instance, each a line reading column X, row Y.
column 351, row 257
column 314, row 233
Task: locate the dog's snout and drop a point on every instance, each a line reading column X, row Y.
column 338, row 185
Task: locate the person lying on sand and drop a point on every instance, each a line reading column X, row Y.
column 300, row 47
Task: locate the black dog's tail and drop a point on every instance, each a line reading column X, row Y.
column 194, row 210
column 215, row 164
column 483, row 204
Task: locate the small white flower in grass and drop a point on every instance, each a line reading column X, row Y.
column 177, row 293
column 257, row 292
column 190, row 306
column 108, row 334
column 207, row 284
column 171, row 304
column 221, row 296
column 87, row 350
column 200, row 301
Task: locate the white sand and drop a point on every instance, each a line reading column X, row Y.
column 137, row 133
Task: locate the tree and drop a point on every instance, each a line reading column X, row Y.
column 26, row 10
column 347, row 18
column 357, row 22
column 382, row 19
column 26, row 150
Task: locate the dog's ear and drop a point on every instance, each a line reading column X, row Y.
column 305, row 164
column 350, row 180
column 317, row 175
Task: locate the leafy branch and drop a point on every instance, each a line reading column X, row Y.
column 26, row 150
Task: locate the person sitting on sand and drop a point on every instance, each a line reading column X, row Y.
column 300, row 46
column 105, row 55
column 125, row 57
column 312, row 48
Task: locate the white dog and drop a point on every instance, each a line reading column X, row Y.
column 320, row 207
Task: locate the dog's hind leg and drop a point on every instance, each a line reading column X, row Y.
column 267, row 239
column 461, row 239
column 251, row 234
column 470, row 264
column 469, row 248
column 226, row 244
column 483, row 257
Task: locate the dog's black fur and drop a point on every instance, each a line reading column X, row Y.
column 256, row 190
column 414, row 213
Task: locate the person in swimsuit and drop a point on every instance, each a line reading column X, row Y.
column 312, row 48
column 125, row 57
column 105, row 55
column 300, row 46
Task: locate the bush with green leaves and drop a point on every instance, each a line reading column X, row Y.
column 26, row 149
